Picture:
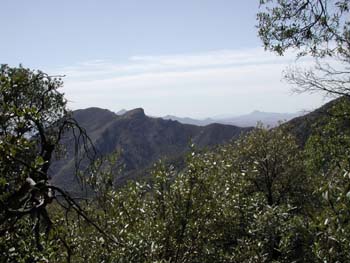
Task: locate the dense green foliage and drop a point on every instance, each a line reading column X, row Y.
column 32, row 120
column 320, row 28
column 30, row 106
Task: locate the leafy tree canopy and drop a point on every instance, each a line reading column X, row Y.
column 316, row 27
column 33, row 118
column 319, row 28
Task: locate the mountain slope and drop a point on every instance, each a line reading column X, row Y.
column 304, row 126
column 142, row 141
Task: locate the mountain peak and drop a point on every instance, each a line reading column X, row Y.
column 135, row 113
column 121, row 112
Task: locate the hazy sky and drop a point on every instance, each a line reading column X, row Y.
column 196, row 58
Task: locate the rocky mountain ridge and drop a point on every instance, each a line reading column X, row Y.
column 141, row 141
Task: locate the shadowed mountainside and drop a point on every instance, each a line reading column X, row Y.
column 142, row 140
column 304, row 126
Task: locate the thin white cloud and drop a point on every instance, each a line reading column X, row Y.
column 198, row 85
column 177, row 62
column 213, row 58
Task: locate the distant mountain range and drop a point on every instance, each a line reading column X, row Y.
column 142, row 140
column 270, row 119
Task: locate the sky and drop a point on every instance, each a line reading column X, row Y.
column 194, row 58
